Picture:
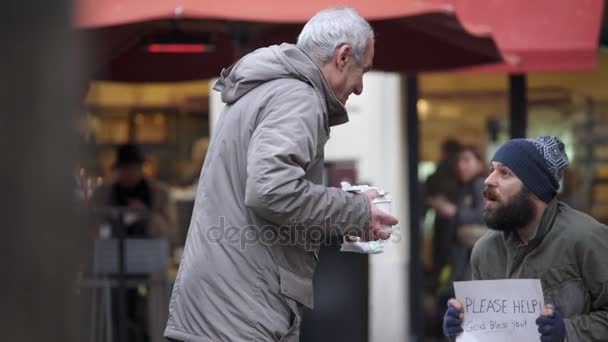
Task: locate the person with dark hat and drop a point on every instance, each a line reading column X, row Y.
column 149, row 199
column 146, row 214
column 535, row 236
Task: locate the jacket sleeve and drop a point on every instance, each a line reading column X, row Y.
column 472, row 214
column 592, row 254
column 283, row 144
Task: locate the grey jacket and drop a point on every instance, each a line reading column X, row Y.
column 569, row 254
column 252, row 245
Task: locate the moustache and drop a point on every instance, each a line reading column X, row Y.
column 490, row 194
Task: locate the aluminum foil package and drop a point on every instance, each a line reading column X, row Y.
column 354, row 243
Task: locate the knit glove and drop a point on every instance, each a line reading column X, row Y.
column 552, row 328
column 452, row 325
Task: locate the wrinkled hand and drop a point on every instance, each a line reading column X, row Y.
column 452, row 320
column 379, row 220
column 551, row 325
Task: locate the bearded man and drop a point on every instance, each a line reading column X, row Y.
column 535, row 236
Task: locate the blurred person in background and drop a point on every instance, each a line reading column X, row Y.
column 466, row 219
column 536, row 236
column 443, row 183
column 148, row 199
column 468, row 225
column 146, row 214
column 262, row 179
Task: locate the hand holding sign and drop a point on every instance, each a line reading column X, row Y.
column 500, row 310
column 452, row 321
column 551, row 325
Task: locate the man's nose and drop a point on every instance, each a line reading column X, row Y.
column 491, row 179
column 359, row 88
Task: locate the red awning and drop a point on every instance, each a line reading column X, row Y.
column 99, row 13
column 538, row 35
column 411, row 35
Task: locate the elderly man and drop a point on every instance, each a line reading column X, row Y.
column 537, row 236
column 250, row 254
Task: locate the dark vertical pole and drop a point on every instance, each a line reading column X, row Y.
column 518, row 106
column 413, row 145
column 589, row 159
column 132, row 127
column 122, row 280
column 44, row 244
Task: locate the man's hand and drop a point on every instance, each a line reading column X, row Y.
column 452, row 320
column 379, row 220
column 138, row 212
column 551, row 325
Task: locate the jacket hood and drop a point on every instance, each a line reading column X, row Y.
column 275, row 62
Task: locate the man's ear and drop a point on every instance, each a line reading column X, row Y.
column 342, row 56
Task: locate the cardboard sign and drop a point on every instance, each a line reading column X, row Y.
column 500, row 310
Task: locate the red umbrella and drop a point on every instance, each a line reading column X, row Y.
column 411, row 35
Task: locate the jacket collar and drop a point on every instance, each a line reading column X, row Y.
column 336, row 112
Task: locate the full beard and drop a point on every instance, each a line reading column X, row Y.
column 515, row 213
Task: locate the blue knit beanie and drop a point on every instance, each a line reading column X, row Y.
column 537, row 162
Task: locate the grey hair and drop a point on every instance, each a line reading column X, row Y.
column 331, row 28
